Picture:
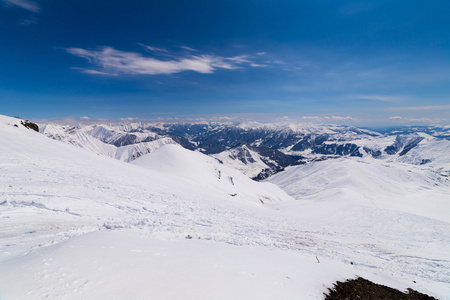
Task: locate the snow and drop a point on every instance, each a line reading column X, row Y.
column 77, row 225
column 110, row 135
column 370, row 182
column 251, row 164
column 213, row 177
column 90, row 138
column 435, row 152
column 397, row 212
column 87, row 267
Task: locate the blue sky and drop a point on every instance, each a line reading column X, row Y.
column 363, row 63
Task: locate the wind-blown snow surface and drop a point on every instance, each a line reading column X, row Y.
column 76, row 225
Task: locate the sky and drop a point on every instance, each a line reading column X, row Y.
column 366, row 63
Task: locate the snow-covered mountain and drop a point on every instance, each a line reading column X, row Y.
column 369, row 182
column 431, row 152
column 258, row 150
column 257, row 163
column 120, row 135
column 74, row 224
column 438, row 131
column 91, row 139
column 210, row 174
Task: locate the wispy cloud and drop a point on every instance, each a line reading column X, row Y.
column 95, row 72
column 428, row 107
column 339, row 118
column 399, row 119
column 381, row 98
column 188, row 48
column 328, row 118
column 115, row 62
column 314, row 118
column 25, row 4
column 29, row 21
column 154, row 49
column 258, row 65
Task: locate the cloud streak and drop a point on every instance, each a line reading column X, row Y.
column 381, row 98
column 428, row 107
column 25, row 4
column 328, row 118
column 415, row 120
column 109, row 61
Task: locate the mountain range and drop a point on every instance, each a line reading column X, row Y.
column 260, row 150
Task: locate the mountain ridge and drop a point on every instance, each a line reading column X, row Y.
column 273, row 146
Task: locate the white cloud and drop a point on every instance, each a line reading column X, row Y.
column 339, row 118
column 258, row 65
column 95, row 72
column 129, row 119
column 114, row 62
column 154, row 49
column 382, row 98
column 312, row 118
column 328, row 118
column 188, row 48
column 84, row 118
column 25, row 4
column 261, row 53
column 399, row 119
column 428, row 107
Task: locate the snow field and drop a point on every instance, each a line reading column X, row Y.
column 76, row 225
column 392, row 218
column 126, row 264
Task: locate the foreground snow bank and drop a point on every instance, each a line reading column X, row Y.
column 128, row 265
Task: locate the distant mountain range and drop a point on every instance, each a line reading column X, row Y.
column 260, row 150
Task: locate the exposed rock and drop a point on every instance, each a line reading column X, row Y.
column 361, row 288
column 30, row 125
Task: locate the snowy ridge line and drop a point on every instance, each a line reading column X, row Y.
column 260, row 150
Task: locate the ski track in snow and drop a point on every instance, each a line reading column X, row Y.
column 46, row 200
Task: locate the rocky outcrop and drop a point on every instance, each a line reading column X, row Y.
column 30, row 125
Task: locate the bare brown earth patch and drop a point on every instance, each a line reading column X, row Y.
column 363, row 289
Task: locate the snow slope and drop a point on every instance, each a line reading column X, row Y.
column 369, row 182
column 243, row 159
column 199, row 169
column 398, row 212
column 129, row 265
column 76, row 225
column 430, row 152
